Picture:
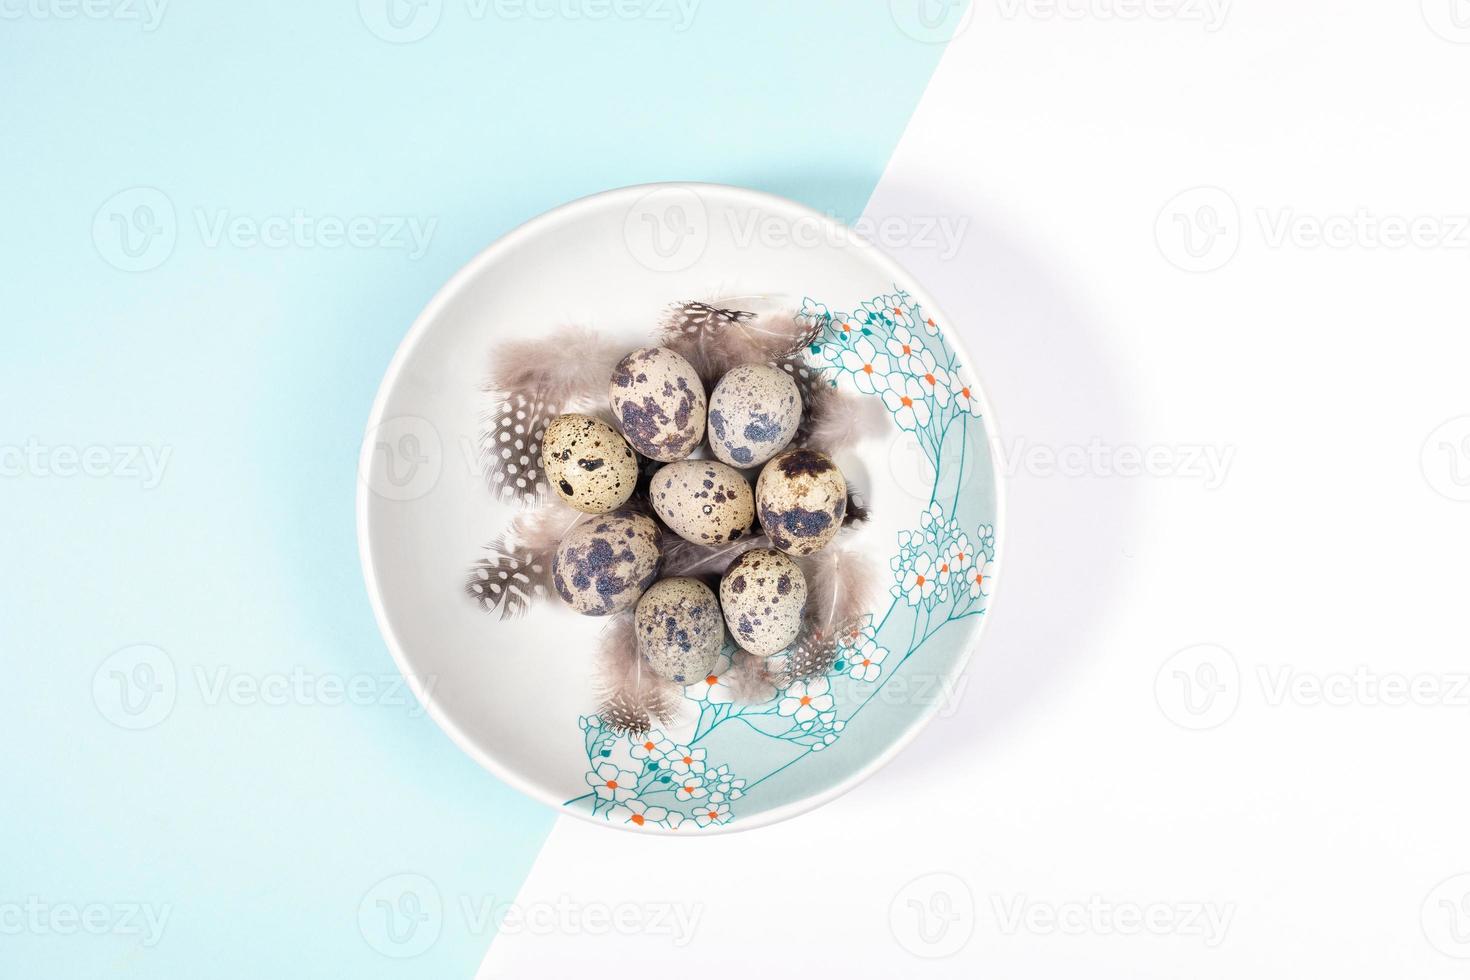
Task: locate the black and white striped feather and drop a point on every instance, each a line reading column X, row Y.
column 715, row 337
column 632, row 698
column 530, row 382
column 517, row 571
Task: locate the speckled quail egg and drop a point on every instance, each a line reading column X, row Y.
column 588, row 464
column 680, row 630
column 753, row 414
column 604, row 564
column 703, row 501
column 658, row 402
column 763, row 595
column 801, row 498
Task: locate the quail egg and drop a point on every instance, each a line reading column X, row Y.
column 753, row 414
column 679, row 628
column 588, row 463
column 801, row 498
column 658, row 401
column 763, row 595
column 703, row 501
column 604, row 564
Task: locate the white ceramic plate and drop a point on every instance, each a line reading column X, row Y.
column 518, row 694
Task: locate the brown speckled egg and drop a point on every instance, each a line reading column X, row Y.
column 606, row 563
column 801, row 498
column 658, row 402
column 679, row 628
column 763, row 595
column 703, row 501
column 753, row 414
column 588, row 464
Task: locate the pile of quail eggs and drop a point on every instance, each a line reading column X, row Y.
column 610, row 564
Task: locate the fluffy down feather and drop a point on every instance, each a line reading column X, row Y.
column 750, row 678
column 633, row 698
column 841, row 586
column 530, row 382
column 518, row 569
column 568, row 367
column 834, row 420
column 715, row 337
column 686, row 558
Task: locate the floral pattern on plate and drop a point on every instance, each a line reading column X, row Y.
column 942, row 572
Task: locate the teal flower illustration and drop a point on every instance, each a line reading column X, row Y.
column 889, row 350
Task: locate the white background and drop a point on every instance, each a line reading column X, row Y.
column 1286, row 795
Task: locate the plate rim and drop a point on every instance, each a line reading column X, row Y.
column 419, row 328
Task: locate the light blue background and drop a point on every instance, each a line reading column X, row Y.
column 262, row 827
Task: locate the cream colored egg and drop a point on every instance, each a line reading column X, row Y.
column 763, row 595
column 680, row 630
column 753, row 414
column 605, row 563
column 801, row 499
column 658, row 402
column 703, row 501
column 588, row 464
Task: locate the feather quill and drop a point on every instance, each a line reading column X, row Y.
column 750, row 678
column 836, row 420
column 530, row 382
column 686, row 558
column 783, row 334
column 632, row 697
column 808, row 379
column 510, row 446
column 518, row 569
column 841, row 587
column 568, row 366
column 715, row 338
